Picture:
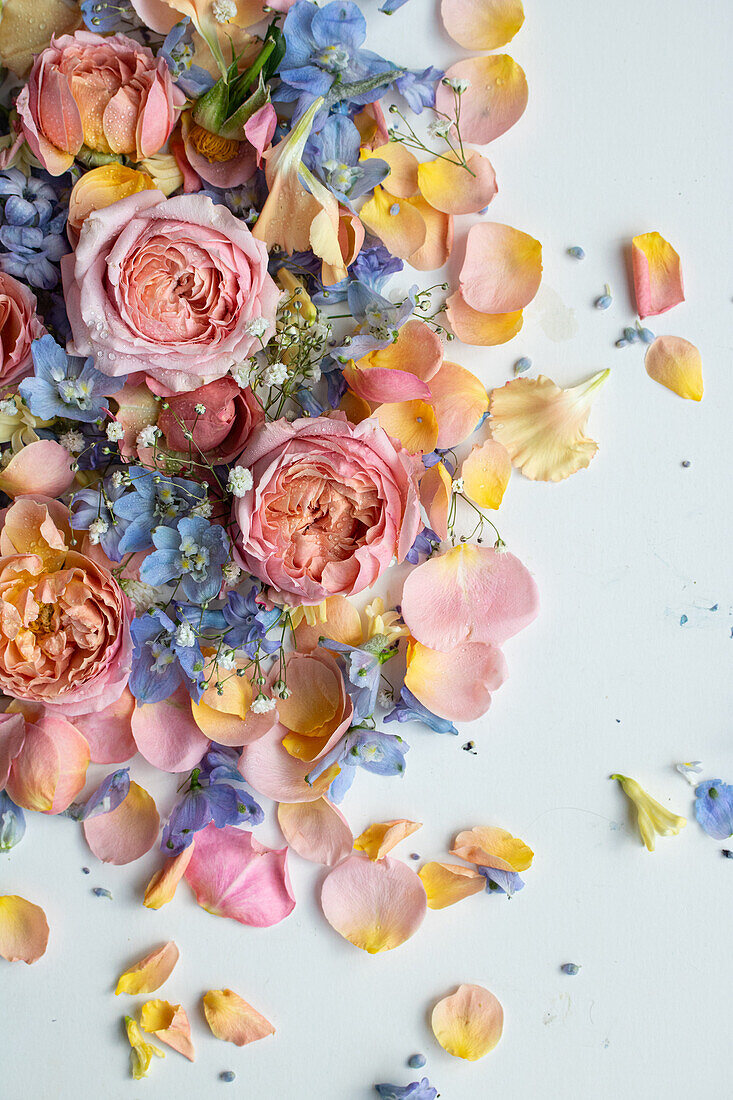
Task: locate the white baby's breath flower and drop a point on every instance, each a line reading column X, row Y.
column 440, row 127
column 458, row 86
column 115, row 431
column 204, row 508
column 242, row 375
column 239, row 481
column 97, row 528
column 120, row 478
column 185, row 635
column 148, row 436
column 275, row 374
column 385, row 699
column 256, row 327
column 226, row 660
column 143, row 595
column 200, row 409
column 8, row 407
column 262, row 705
column 224, row 10
column 231, row 573
column 73, row 441
column 457, row 485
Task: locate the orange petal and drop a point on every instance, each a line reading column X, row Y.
column 490, row 847
column 460, row 400
column 436, row 494
column 456, row 684
column 469, row 1023
column 486, row 473
column 23, row 929
column 676, row 364
column 149, row 974
column 495, row 99
column 376, row 906
column 502, row 269
column 168, row 1023
column 436, row 249
column 317, row 831
column 232, row 1019
column 342, row 623
column 126, row 833
column 378, row 840
column 356, row 408
column 447, row 883
column 413, row 423
column 398, row 224
column 454, row 189
column 162, row 886
column 418, row 350
column 657, row 274
column 542, row 426
column 403, row 168
column 481, row 329
column 314, row 695
column 482, row 24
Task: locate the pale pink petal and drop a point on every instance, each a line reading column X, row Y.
column 482, row 24
column 469, row 594
column 23, row 929
column 487, row 846
column 376, row 906
column 460, row 401
column 317, row 831
column 259, row 129
column 378, row 840
column 169, row 1023
column 109, row 731
column 448, row 883
column 481, row 329
column 495, row 99
column 234, row 1020
column 235, row 876
column 456, row 685
column 469, row 1023
column 377, row 384
column 43, row 467
column 272, row 771
column 502, row 269
column 676, row 364
column 657, row 275
column 436, row 494
column 50, row 769
column 486, row 472
column 149, row 973
column 124, row 834
column 457, row 190
column 12, row 736
column 166, row 734
column 162, row 886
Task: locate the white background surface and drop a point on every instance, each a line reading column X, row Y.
column 627, row 130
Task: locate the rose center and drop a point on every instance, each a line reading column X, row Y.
column 44, row 623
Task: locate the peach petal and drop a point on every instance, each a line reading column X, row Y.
column 227, row 718
column 453, row 189
column 486, row 473
column 23, row 929
column 657, row 275
column 481, row 329
column 317, row 831
column 376, row 906
column 447, row 883
column 234, row 1020
column 42, row 467
column 495, row 99
column 356, row 408
column 403, row 168
column 502, row 269
column 169, row 1024
column 109, row 731
column 233, row 875
column 398, row 224
column 676, row 364
column 166, row 734
column 413, row 423
column 487, row 846
column 162, row 886
column 417, row 349
column 456, row 685
column 438, row 243
column 469, row 1023
column 50, row 769
column 274, row 773
column 482, row 24
column 436, row 494
column 12, row 736
column 314, row 695
column 149, row 973
column 342, row 623
column 378, row 840
column 468, row 594
column 460, row 401
column 124, row 834
column 543, row 427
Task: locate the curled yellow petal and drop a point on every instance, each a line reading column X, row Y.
column 469, row 1023
column 234, row 1020
column 379, row 839
column 486, row 473
column 100, row 188
column 676, row 364
column 447, row 883
column 168, row 1023
column 142, row 1053
column 652, row 818
column 413, row 423
column 150, row 973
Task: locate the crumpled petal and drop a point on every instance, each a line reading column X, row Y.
column 399, row 225
column 166, row 734
column 482, row 24
column 676, row 364
column 495, row 99
column 233, row 875
column 469, row 1023
column 403, row 168
column 23, row 929
column 436, row 494
column 124, row 834
column 378, row 840
column 486, row 473
column 234, row 1020
column 317, row 830
column 454, row 189
column 376, row 906
column 447, row 883
column 43, row 467
column 456, row 685
column 469, row 594
column 502, row 269
column 481, row 329
column 460, row 401
column 543, row 426
column 657, row 275
column 141, row 1054
column 342, row 623
column 487, row 846
column 413, row 423
column 149, row 973
column 169, row 1024
column 162, row 886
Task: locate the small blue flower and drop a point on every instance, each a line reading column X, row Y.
column 12, row 823
column 362, row 666
column 33, row 252
column 410, row 709
column 191, row 553
column 247, row 623
column 380, row 753
column 166, row 654
column 155, row 500
column 418, row 88
column 206, row 800
column 28, row 201
column 178, row 53
column 417, row 1090
column 65, row 386
column 501, row 882
column 714, row 808
column 97, row 506
column 108, row 16
column 374, row 265
column 333, row 156
column 379, row 319
column 425, row 544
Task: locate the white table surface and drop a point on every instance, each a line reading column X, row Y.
column 627, row 130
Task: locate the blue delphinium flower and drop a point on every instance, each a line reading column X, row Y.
column 332, row 155
column 247, row 622
column 410, row 709
column 426, row 542
column 714, row 808
column 362, row 666
column 65, row 386
column 178, row 53
column 94, row 510
column 113, row 790
column 416, row 1090
column 501, row 882
column 28, row 200
column 155, row 500
column 192, row 553
column 418, row 88
column 12, row 823
column 374, row 265
column 166, row 654
column 380, row 753
column 379, row 318
column 209, row 799
column 32, row 252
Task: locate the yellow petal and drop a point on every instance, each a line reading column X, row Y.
column 169, row 1023
column 142, row 1053
column 487, row 846
column 397, row 223
column 27, row 27
column 162, row 886
column 486, row 473
column 469, row 1023
column 150, row 973
column 457, row 190
column 482, row 24
column 481, row 329
column 356, row 408
column 413, row 423
column 402, row 180
column 676, row 364
column 234, row 1020
column 657, row 274
column 23, row 929
column 101, row 187
column 447, row 883
column 379, row 839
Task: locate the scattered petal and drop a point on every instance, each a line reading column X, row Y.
column 502, row 270
column 124, row 834
column 167, row 735
column 142, row 1053
column 460, row 401
column 490, row 847
column 657, row 275
column 403, row 168
column 274, row 773
column 378, row 840
column 714, row 808
column 456, row 685
column 469, row 1023
column 162, row 886
column 652, row 818
column 317, row 830
column 399, row 225
column 481, row 329
column 340, row 622
column 482, row 24
column 227, row 717
column 438, row 243
column 495, row 99
column 23, row 929
column 413, row 423
column 40, row 468
column 447, row 883
column 376, row 906
column 454, row 189
column 234, row 1020
column 486, row 473
column 676, row 364
column 436, row 495
column 168, row 1023
column 149, row 974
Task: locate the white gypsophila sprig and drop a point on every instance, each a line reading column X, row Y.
column 239, row 481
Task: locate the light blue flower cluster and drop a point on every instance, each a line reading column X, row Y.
column 65, row 386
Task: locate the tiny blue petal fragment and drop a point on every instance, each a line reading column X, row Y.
column 727, row 853
column 417, row 1090
column 522, row 365
column 604, row 301
column 577, row 252
column 646, row 335
column 417, row 1061
column 228, row 1075
column 391, row 6
column 631, row 334
column 622, row 343
column 100, row 892
column 113, row 790
column 714, row 808
column 570, row 968
column 683, row 620
column 12, row 823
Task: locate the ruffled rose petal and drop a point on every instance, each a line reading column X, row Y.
column 413, row 423
column 233, row 875
column 149, row 974
column 378, row 840
column 469, row 1023
column 487, row 846
column 495, row 99
column 543, row 427
column 166, row 734
column 274, row 773
column 43, row 467
column 482, row 24
column 447, row 883
column 109, row 731
column 502, row 269
column 317, row 831
column 124, row 834
column 403, row 168
column 657, row 275
column 23, row 929
column 162, row 886
column 460, row 401
column 481, row 329
column 676, row 364
column 398, row 224
column 456, row 685
column 436, row 494
column 168, row 1023
column 438, row 244
column 233, row 1020
column 469, row 594
column 486, row 473
column 454, row 189
column 342, row 623
column 376, row 906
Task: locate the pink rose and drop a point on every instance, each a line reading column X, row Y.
column 169, row 287
column 331, row 504
column 231, row 414
column 110, row 94
column 19, row 326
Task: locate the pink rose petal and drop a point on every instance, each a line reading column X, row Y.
column 12, row 736
column 374, row 905
column 502, row 269
column 43, row 467
column 124, row 834
column 234, row 1020
column 109, row 731
column 469, row 1023
column 495, row 99
column 460, row 401
column 482, row 24
column 23, row 929
column 149, row 973
column 456, row 685
column 259, row 129
column 317, row 831
column 485, row 330
column 168, row 1023
column 50, row 769
column 657, row 274
column 166, row 734
column 274, row 773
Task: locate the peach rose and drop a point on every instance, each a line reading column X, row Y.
column 19, row 327
column 330, row 506
column 110, row 94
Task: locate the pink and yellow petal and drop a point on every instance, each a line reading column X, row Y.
column 456, row 189
column 676, row 364
column 468, row 1024
column 418, row 350
column 162, row 887
column 40, row 468
column 317, row 831
column 380, row 384
column 398, row 224
column 436, row 494
column 448, row 883
column 487, row 846
column 486, row 473
column 481, row 329
column 169, row 1024
column 49, row 770
column 233, row 1020
column 276, row 774
column 657, row 274
column 23, row 929
column 375, row 905
column 149, row 973
column 413, row 423
column 482, row 24
column 495, row 99
column 457, row 684
column 460, row 402
column 378, row 840
column 341, row 622
column 502, row 269
column 167, row 735
column 123, row 835
column 314, row 697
